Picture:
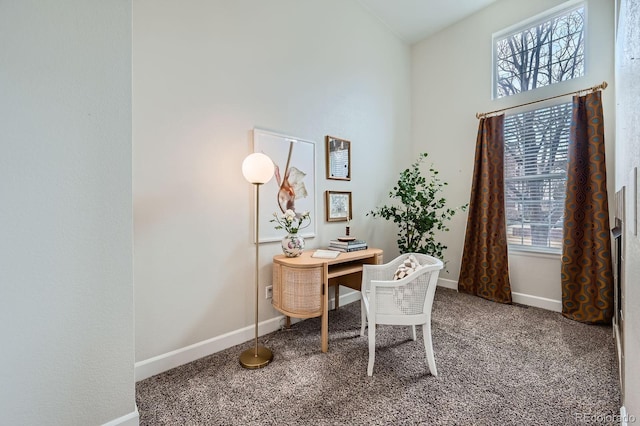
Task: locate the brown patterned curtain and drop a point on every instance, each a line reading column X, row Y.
column 485, row 271
column 587, row 280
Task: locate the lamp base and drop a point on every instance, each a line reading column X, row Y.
column 248, row 358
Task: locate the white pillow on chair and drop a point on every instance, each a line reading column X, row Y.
column 409, row 266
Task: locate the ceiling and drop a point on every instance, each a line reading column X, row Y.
column 415, row 20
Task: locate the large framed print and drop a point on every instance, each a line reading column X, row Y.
column 293, row 185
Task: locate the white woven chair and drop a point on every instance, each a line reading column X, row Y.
column 407, row 301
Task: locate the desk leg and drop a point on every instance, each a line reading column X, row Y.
column 336, row 297
column 325, row 317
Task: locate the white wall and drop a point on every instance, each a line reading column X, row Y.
column 451, row 82
column 66, row 276
column 628, row 158
column 204, row 74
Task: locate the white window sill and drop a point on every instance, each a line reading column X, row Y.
column 534, row 253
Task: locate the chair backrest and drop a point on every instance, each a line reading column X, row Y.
column 412, row 295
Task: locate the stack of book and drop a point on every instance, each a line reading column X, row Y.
column 347, row 246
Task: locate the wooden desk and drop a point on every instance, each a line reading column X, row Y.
column 301, row 284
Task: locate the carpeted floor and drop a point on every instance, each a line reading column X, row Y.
column 497, row 365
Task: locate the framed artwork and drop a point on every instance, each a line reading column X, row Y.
column 338, row 158
column 338, row 206
column 293, row 185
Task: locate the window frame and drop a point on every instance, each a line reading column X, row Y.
column 545, row 16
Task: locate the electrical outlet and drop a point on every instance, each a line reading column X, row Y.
column 268, row 292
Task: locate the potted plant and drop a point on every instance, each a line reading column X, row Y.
column 292, row 222
column 420, row 211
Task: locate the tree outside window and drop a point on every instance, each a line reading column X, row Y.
column 548, row 53
column 536, row 141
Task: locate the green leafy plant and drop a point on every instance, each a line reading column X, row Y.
column 421, row 210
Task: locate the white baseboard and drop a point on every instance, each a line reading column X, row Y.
column 346, row 298
column 167, row 361
column 164, row 362
column 537, row 302
column 131, row 419
column 523, row 299
column 443, row 282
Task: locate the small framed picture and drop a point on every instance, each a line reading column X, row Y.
column 338, row 158
column 338, row 206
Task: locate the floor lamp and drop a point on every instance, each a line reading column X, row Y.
column 257, row 169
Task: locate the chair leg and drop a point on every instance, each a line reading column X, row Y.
column 372, row 348
column 363, row 317
column 413, row 333
column 428, row 347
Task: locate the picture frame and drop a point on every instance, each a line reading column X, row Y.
column 338, row 156
column 299, row 155
column 338, row 206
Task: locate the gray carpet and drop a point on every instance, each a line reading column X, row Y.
column 497, row 365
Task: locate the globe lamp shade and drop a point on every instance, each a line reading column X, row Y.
column 257, row 168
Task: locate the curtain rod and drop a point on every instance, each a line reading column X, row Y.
column 601, row 86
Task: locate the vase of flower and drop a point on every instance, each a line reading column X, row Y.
column 292, row 245
column 292, row 222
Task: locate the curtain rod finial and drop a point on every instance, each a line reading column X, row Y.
column 604, row 85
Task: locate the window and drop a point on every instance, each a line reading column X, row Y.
column 539, row 55
column 535, row 172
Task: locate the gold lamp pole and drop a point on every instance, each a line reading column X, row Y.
column 257, row 169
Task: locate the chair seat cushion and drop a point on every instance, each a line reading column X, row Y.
column 409, row 266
